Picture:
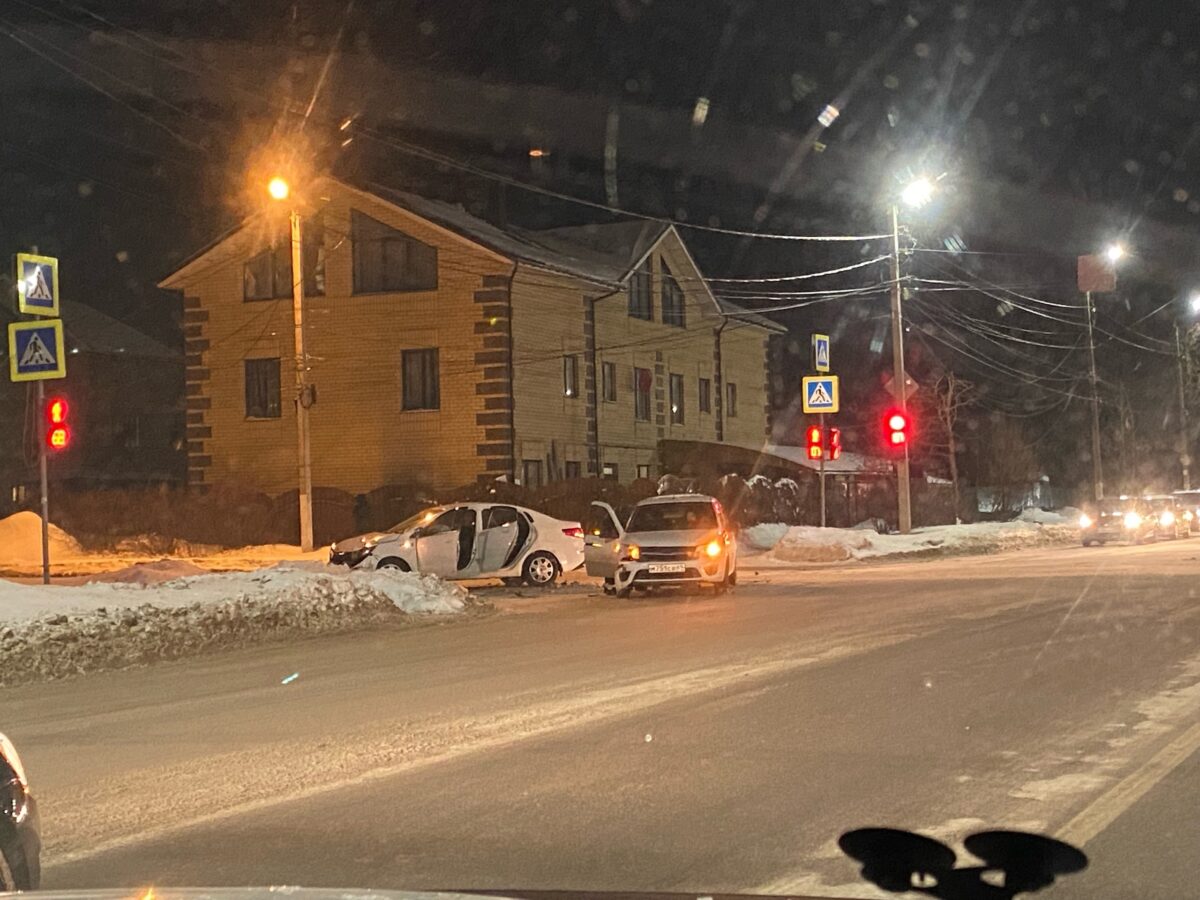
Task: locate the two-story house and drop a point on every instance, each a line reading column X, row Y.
column 444, row 349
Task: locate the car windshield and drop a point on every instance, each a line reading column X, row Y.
column 424, row 517
column 682, row 516
column 805, row 381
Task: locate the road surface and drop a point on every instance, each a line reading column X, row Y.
column 687, row 743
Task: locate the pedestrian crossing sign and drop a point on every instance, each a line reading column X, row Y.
column 820, row 344
column 37, row 285
column 820, row 393
column 35, row 351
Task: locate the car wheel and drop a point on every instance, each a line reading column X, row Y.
column 1086, row 542
column 394, row 564
column 541, row 569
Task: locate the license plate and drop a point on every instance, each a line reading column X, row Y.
column 668, row 569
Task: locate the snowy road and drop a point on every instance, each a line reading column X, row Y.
column 697, row 744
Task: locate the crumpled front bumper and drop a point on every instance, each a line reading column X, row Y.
column 640, row 573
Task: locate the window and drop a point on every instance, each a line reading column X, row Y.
column 420, row 371
column 608, row 381
column 531, row 473
column 451, row 520
column 684, row 515
column 262, row 388
column 572, row 469
column 676, row 392
column 705, row 404
column 609, row 470
column 600, row 523
column 643, row 383
column 389, row 260
column 571, row 375
column 641, row 301
column 643, row 470
column 672, row 299
column 268, row 276
column 731, row 400
column 499, row 516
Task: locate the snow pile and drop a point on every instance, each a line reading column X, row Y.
column 21, row 541
column 1068, row 515
column 150, row 572
column 810, row 544
column 51, row 632
column 762, row 537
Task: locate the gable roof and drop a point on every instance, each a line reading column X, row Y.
column 88, row 330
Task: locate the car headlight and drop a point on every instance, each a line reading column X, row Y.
column 633, row 552
column 712, row 549
column 1085, row 521
column 1167, row 518
column 1187, row 515
column 1132, row 520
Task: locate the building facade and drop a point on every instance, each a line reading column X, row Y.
column 444, row 350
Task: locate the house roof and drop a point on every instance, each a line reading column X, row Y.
column 88, row 330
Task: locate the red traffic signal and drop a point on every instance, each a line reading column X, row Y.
column 835, row 443
column 814, row 441
column 897, row 427
column 59, row 435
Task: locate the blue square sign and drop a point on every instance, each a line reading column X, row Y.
column 820, row 394
column 37, row 285
column 35, row 351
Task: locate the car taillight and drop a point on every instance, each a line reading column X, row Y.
column 575, row 532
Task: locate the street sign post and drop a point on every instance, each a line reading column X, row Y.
column 37, row 352
column 37, row 285
column 820, row 349
column 819, row 393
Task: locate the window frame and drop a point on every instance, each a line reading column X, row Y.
column 538, row 468
column 572, row 470
column 704, row 396
column 611, row 471
column 422, row 353
column 675, row 399
column 571, row 376
column 678, row 305
column 731, row 398
column 608, row 381
column 643, row 467
column 637, row 395
column 388, row 236
column 641, row 288
column 266, row 416
column 279, row 255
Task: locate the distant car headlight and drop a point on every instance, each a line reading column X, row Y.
column 1132, row 520
column 1187, row 515
column 1167, row 518
column 1085, row 521
column 712, row 549
column 633, row 552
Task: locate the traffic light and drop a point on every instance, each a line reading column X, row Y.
column 58, row 437
column 835, row 443
column 897, row 427
column 815, row 442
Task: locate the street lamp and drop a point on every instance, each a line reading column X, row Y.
column 1114, row 253
column 279, row 190
column 1184, row 365
column 1097, row 273
column 913, row 195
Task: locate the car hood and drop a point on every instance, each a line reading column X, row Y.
column 690, row 537
column 359, row 541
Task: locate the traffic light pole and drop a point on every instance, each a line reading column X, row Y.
column 43, row 470
column 1185, row 449
column 903, row 497
column 1097, row 463
column 821, row 469
column 304, row 450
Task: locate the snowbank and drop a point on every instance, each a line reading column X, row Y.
column 21, row 540
column 50, row 632
column 811, row 544
column 1068, row 515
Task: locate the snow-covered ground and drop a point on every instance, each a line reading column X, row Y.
column 53, row 631
column 783, row 545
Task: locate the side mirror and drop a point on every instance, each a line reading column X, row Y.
column 416, row 533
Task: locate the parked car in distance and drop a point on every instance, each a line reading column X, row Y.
column 671, row 540
column 1190, row 499
column 20, row 832
column 471, row 540
column 1170, row 517
column 1119, row 519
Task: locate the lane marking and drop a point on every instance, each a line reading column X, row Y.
column 1103, row 811
column 166, row 806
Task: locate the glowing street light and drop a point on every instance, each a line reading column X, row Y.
column 278, row 188
column 1194, row 303
column 1114, row 253
column 917, row 192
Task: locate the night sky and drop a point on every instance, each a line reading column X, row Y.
column 1057, row 127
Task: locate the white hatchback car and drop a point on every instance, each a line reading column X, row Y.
column 471, row 540
column 672, row 540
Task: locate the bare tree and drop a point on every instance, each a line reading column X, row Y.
column 951, row 395
column 1009, row 463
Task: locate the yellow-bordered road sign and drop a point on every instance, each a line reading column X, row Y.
column 820, row 393
column 37, row 285
column 36, row 351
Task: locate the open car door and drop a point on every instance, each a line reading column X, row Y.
column 446, row 545
column 602, row 534
column 504, row 533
